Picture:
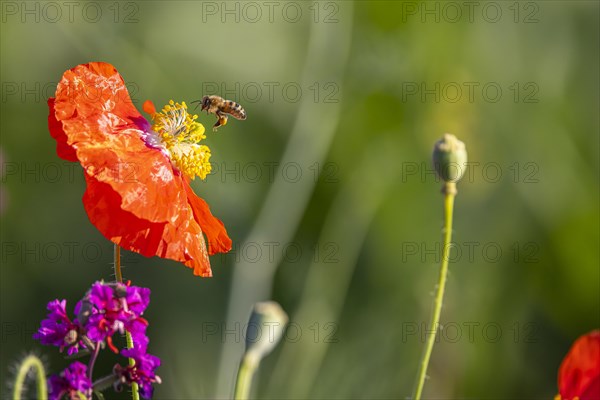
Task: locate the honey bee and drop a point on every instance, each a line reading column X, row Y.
column 221, row 107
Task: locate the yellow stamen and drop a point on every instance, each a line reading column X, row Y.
column 180, row 133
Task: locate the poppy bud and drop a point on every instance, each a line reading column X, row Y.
column 450, row 158
column 265, row 329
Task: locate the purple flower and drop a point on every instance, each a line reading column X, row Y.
column 70, row 382
column 138, row 299
column 105, row 312
column 112, row 308
column 105, row 309
column 57, row 329
column 137, row 329
column 142, row 372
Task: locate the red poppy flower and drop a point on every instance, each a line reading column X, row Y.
column 579, row 373
column 138, row 174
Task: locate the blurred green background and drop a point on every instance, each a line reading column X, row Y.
column 326, row 189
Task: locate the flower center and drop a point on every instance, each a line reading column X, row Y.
column 179, row 133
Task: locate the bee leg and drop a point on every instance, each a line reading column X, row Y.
column 221, row 120
column 218, row 123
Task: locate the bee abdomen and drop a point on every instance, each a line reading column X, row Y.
column 237, row 110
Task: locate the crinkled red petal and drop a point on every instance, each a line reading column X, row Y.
column 64, row 151
column 134, row 196
column 180, row 239
column 106, row 131
column 579, row 373
column 218, row 240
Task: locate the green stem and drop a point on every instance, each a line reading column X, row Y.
column 135, row 395
column 246, row 371
column 449, row 193
column 28, row 363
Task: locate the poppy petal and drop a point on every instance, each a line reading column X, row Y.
column 63, row 150
column 180, row 240
column 106, row 131
column 149, row 108
column 579, row 373
column 218, row 240
column 134, row 196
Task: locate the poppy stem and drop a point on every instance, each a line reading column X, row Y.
column 449, row 194
column 118, row 273
column 245, row 374
column 135, row 395
column 31, row 362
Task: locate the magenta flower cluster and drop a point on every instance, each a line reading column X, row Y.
column 106, row 309
column 70, row 382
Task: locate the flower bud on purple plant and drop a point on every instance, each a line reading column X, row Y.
column 120, row 290
column 83, row 310
column 71, row 337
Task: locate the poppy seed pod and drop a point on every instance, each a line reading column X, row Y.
column 265, row 329
column 450, row 158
